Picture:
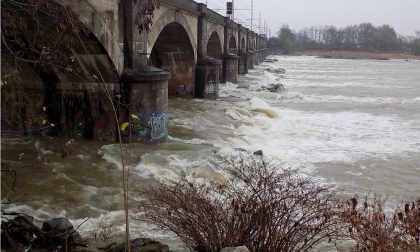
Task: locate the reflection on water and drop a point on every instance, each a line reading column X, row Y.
column 355, row 124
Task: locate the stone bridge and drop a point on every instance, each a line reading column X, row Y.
column 187, row 52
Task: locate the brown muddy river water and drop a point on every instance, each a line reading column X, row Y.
column 354, row 124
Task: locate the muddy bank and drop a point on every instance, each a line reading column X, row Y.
column 22, row 233
column 343, row 54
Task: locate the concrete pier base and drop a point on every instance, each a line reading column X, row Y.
column 146, row 94
column 207, row 78
column 243, row 63
column 261, row 55
column 230, row 68
column 256, row 58
column 250, row 59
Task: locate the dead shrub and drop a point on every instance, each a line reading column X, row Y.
column 261, row 205
column 103, row 230
column 373, row 229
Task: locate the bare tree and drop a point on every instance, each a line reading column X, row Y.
column 40, row 32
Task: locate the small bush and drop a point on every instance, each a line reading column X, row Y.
column 103, row 230
column 374, row 230
column 261, row 205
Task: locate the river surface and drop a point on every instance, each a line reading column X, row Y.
column 353, row 124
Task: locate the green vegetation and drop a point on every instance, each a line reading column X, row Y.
column 285, row 42
column 364, row 37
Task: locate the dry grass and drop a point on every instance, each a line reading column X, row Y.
column 102, row 230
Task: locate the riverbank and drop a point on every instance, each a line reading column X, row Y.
column 344, row 54
column 21, row 232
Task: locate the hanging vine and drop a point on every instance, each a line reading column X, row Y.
column 144, row 15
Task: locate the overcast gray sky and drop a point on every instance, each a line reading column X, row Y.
column 403, row 15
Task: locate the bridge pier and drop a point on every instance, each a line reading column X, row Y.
column 147, row 95
column 243, row 63
column 230, row 68
column 257, row 57
column 261, row 55
column 207, row 78
column 250, row 59
column 266, row 53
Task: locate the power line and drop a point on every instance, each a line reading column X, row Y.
column 238, row 15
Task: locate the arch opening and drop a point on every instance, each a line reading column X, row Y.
column 214, row 46
column 243, row 44
column 232, row 45
column 173, row 52
column 214, row 50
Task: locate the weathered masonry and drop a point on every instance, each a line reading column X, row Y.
column 188, row 51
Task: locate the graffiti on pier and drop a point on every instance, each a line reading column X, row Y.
column 105, row 135
column 185, row 89
column 140, row 130
column 158, row 125
column 152, row 126
column 211, row 88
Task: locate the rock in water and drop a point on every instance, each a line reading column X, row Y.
column 275, row 88
column 258, row 153
column 271, row 60
column 243, row 86
column 240, row 149
column 58, row 225
column 17, row 231
column 58, row 231
column 276, row 70
column 21, row 234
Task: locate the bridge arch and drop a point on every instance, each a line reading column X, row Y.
column 214, row 46
column 232, row 46
column 215, row 50
column 213, row 28
column 173, row 52
column 166, row 18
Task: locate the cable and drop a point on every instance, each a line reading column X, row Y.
column 219, row 6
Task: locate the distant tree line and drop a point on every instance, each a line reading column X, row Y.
column 364, row 36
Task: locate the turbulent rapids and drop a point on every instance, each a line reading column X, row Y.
column 354, row 124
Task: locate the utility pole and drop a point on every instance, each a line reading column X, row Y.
column 233, row 10
column 265, row 31
column 252, row 14
column 259, row 25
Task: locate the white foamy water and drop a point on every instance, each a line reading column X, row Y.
column 354, row 124
column 307, row 137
